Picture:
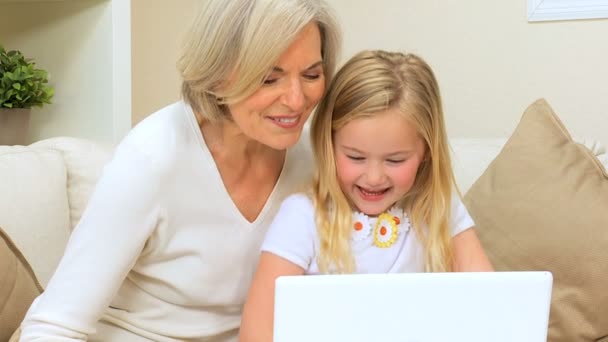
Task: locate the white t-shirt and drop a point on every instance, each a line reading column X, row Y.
column 293, row 236
column 162, row 251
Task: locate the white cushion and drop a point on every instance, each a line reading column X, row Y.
column 84, row 160
column 598, row 150
column 34, row 206
column 471, row 157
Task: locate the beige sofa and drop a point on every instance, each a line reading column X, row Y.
column 44, row 189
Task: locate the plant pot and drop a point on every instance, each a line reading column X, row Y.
column 14, row 126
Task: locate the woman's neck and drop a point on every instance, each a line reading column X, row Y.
column 249, row 169
column 228, row 144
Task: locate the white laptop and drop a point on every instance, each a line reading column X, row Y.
column 414, row 307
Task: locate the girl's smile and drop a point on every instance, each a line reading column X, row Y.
column 377, row 159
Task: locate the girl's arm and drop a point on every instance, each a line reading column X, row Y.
column 258, row 313
column 288, row 249
column 468, row 253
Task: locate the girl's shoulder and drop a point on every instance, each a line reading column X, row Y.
column 300, row 201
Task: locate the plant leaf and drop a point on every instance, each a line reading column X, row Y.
column 22, row 85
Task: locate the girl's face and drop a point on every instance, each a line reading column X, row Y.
column 275, row 114
column 377, row 159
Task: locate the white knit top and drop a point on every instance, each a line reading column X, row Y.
column 161, row 251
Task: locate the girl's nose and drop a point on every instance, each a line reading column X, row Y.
column 375, row 175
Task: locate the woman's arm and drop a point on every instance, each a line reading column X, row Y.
column 120, row 216
column 468, row 253
column 258, row 313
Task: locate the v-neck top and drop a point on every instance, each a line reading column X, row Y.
column 216, row 178
column 161, row 251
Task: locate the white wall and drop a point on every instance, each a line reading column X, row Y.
column 73, row 41
column 158, row 27
column 491, row 63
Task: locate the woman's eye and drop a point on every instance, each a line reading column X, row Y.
column 312, row 77
column 355, row 158
column 270, row 80
column 395, row 161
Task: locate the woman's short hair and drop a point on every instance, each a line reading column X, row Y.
column 246, row 37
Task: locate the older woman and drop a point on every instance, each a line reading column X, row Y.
column 168, row 244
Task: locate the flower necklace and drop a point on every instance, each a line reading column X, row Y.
column 385, row 228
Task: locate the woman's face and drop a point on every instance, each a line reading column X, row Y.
column 275, row 114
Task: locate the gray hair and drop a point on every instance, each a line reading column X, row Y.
column 248, row 37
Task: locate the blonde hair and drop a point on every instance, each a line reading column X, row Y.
column 246, row 37
column 369, row 83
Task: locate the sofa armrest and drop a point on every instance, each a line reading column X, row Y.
column 34, row 208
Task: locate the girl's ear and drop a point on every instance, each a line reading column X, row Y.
column 427, row 155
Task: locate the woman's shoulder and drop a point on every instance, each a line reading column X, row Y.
column 162, row 134
column 160, row 127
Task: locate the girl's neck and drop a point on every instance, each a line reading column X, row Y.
column 356, row 210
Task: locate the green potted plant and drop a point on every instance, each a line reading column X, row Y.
column 22, row 86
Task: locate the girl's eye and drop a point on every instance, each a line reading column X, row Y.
column 355, row 158
column 395, row 161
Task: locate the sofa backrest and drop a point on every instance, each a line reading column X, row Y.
column 44, row 188
column 84, row 161
column 34, row 208
column 471, row 157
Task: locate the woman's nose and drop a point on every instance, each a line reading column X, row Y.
column 294, row 97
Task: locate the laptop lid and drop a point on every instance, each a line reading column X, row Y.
column 414, row 307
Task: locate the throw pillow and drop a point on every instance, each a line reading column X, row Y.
column 18, row 287
column 16, row 335
column 541, row 205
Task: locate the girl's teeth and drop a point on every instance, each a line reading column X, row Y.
column 372, row 192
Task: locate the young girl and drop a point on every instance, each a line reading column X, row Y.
column 384, row 199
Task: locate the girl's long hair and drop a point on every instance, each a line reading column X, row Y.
column 369, row 83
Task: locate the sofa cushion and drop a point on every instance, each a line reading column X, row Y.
column 541, row 205
column 84, row 160
column 18, row 286
column 34, row 206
